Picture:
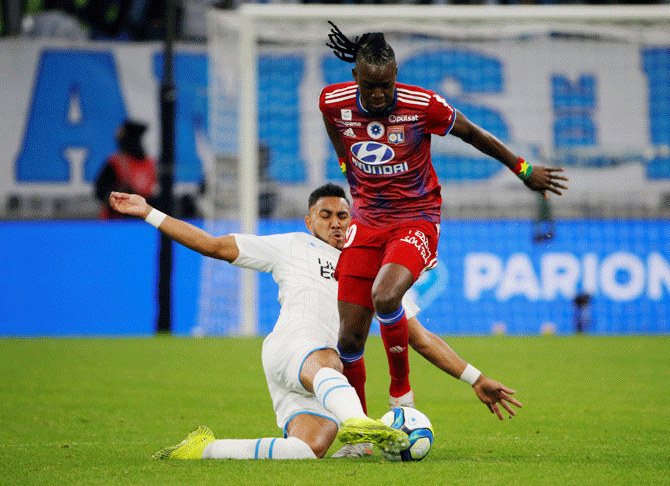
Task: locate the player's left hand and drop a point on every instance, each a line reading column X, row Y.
column 494, row 394
column 543, row 179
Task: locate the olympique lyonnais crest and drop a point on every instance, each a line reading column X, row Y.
column 396, row 135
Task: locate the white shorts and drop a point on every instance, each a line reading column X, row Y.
column 283, row 356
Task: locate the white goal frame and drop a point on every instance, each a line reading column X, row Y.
column 249, row 19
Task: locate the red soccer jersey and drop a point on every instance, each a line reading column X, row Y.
column 389, row 169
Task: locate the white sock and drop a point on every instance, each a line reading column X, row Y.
column 336, row 395
column 268, row 448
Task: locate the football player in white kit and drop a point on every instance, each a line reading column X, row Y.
column 311, row 398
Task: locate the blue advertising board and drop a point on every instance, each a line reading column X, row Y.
column 100, row 279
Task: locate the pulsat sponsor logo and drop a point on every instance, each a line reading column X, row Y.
column 403, row 118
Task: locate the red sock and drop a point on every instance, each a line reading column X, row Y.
column 355, row 373
column 396, row 341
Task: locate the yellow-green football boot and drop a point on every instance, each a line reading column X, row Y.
column 356, row 430
column 189, row 448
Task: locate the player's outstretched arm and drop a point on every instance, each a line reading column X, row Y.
column 222, row 248
column 541, row 179
column 438, row 352
column 434, row 349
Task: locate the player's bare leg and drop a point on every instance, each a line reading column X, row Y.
column 317, row 432
column 390, row 286
column 321, row 358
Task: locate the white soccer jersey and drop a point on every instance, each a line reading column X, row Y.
column 303, row 267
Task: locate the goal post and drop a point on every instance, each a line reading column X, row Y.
column 586, row 87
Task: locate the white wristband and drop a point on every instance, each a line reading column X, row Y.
column 155, row 217
column 470, row 374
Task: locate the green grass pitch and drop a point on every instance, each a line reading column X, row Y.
column 92, row 411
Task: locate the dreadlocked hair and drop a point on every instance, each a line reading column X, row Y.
column 344, row 48
column 370, row 47
column 375, row 50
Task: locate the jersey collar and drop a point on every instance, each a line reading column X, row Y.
column 367, row 114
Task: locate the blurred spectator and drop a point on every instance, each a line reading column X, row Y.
column 125, row 20
column 53, row 24
column 582, row 312
column 145, row 21
column 127, row 170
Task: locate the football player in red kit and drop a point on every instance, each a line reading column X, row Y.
column 381, row 131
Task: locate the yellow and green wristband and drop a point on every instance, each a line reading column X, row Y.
column 523, row 169
column 343, row 164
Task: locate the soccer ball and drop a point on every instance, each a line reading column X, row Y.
column 418, row 428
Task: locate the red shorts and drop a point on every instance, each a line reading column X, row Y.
column 412, row 245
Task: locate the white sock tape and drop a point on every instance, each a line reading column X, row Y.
column 155, row 217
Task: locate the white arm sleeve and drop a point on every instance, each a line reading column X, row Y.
column 259, row 252
column 411, row 309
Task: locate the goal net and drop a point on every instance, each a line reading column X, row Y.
column 582, row 87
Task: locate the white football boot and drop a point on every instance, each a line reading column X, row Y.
column 362, row 449
column 407, row 400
